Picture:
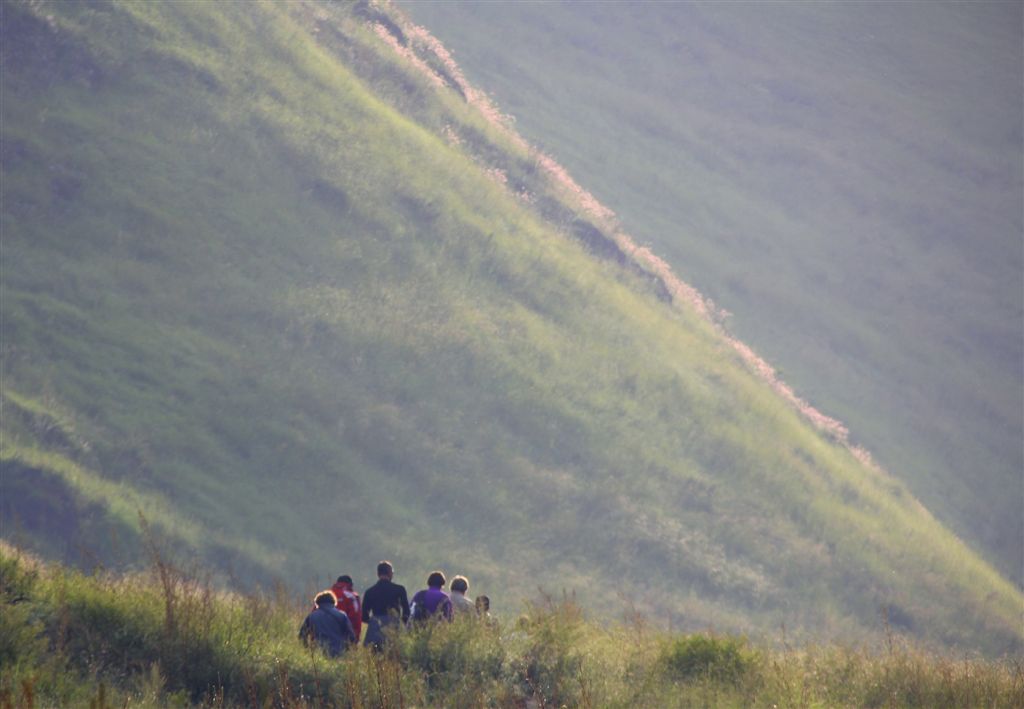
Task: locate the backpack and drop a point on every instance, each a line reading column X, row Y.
column 419, row 611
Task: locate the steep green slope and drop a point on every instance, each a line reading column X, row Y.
column 844, row 177
column 269, row 284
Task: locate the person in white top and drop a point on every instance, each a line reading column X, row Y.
column 460, row 603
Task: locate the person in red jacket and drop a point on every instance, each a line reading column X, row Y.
column 348, row 602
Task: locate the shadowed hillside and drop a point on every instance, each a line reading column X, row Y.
column 277, row 278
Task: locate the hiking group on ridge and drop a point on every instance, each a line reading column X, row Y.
column 337, row 620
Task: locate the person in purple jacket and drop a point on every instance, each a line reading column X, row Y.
column 432, row 602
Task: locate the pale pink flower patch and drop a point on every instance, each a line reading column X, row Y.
column 407, row 54
column 498, row 175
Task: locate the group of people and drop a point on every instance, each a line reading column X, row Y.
column 337, row 620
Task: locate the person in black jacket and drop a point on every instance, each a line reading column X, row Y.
column 327, row 626
column 384, row 604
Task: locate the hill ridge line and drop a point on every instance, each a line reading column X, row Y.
column 395, row 29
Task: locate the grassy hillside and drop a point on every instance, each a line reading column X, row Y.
column 844, row 178
column 166, row 638
column 281, row 294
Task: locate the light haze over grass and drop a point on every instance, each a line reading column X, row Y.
column 261, row 280
column 845, row 178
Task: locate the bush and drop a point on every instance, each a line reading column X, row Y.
column 722, row 659
column 461, row 662
column 21, row 632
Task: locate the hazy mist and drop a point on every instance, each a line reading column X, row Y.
column 845, row 178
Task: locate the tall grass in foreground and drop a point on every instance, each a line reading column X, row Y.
column 165, row 637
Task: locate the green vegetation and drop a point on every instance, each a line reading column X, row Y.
column 723, row 660
column 165, row 638
column 267, row 283
column 843, row 177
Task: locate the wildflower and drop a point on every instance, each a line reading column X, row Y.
column 497, row 174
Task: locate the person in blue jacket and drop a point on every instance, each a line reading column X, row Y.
column 327, row 626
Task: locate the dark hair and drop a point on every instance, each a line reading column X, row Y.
column 460, row 584
column 483, row 603
column 436, row 579
column 344, row 578
column 325, row 597
column 385, row 568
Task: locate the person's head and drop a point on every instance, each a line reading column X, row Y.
column 345, row 579
column 483, row 603
column 460, row 584
column 436, row 580
column 325, row 598
column 385, row 570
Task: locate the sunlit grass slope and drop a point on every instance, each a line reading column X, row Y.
column 277, row 296
column 844, row 177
